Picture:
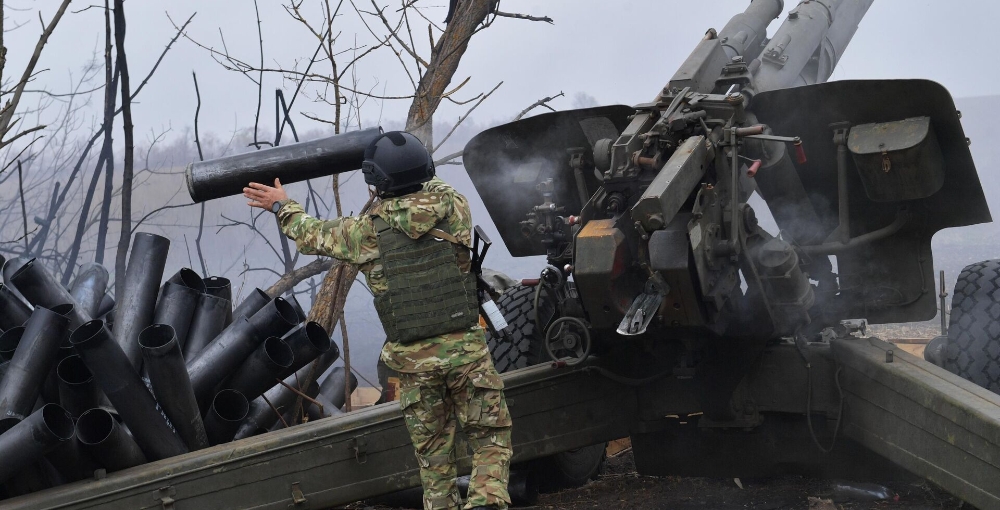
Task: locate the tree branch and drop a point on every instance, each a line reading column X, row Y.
column 541, row 102
column 546, row 19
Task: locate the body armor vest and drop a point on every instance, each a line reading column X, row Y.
column 428, row 293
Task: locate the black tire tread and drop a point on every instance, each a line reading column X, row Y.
column 973, row 349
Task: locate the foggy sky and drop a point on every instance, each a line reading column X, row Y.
column 615, row 51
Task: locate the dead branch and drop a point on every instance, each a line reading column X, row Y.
column 126, row 229
column 290, row 279
column 541, row 102
column 201, row 157
column 448, row 160
column 546, row 19
column 24, row 210
column 7, row 114
column 463, row 117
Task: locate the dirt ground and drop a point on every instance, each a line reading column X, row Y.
column 621, row 488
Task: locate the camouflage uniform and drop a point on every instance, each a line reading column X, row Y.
column 443, row 377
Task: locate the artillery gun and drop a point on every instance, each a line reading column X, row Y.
column 667, row 313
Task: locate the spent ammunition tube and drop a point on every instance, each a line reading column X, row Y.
column 126, row 391
column 105, row 440
column 41, row 288
column 266, row 365
column 252, row 304
column 176, row 308
column 227, row 176
column 138, row 300
column 71, row 461
column 208, row 321
column 229, row 409
column 308, row 341
column 34, row 357
column 28, row 441
column 188, row 278
column 221, row 288
column 13, row 311
column 89, row 287
column 9, row 340
column 333, row 386
column 163, row 361
column 78, row 390
column 107, row 306
column 228, row 351
column 328, row 410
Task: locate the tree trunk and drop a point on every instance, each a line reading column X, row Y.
column 445, row 57
column 126, row 233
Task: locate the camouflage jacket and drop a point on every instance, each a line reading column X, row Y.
column 353, row 240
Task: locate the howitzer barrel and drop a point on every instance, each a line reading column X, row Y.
column 227, row 176
column 820, row 29
column 743, row 35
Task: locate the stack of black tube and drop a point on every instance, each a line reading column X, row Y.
column 89, row 382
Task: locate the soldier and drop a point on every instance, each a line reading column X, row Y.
column 414, row 250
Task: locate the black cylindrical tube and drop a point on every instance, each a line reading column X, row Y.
column 175, row 308
column 28, row 441
column 226, row 176
column 308, row 341
column 252, row 304
column 138, row 299
column 72, row 461
column 89, row 287
column 229, row 409
column 189, row 278
column 298, row 308
column 218, row 286
column 9, row 340
column 13, row 311
column 78, row 390
column 168, row 376
column 209, row 319
column 126, row 391
column 329, row 408
column 107, row 442
column 333, row 386
column 41, row 288
column 262, row 416
column 265, row 366
column 107, row 305
column 35, row 355
column 221, row 288
column 234, row 345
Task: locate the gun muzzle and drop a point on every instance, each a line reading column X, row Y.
column 228, row 176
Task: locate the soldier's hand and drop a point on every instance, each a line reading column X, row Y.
column 264, row 196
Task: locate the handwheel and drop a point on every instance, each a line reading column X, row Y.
column 568, row 337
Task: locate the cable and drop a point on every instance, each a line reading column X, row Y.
column 840, row 410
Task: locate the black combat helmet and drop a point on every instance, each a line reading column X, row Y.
column 396, row 163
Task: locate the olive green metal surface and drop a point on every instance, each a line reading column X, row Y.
column 922, row 417
column 340, row 460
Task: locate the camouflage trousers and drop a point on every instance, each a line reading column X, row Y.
column 434, row 403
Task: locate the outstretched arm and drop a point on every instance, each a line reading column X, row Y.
column 348, row 239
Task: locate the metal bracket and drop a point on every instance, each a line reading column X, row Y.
column 641, row 313
column 360, row 446
column 165, row 495
column 298, row 498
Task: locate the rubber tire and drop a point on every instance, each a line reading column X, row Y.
column 973, row 349
column 518, row 349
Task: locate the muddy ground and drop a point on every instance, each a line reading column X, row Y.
column 621, row 488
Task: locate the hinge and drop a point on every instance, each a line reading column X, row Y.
column 298, row 498
column 165, row 495
column 360, row 446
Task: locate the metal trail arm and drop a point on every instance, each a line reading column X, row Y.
column 927, row 420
